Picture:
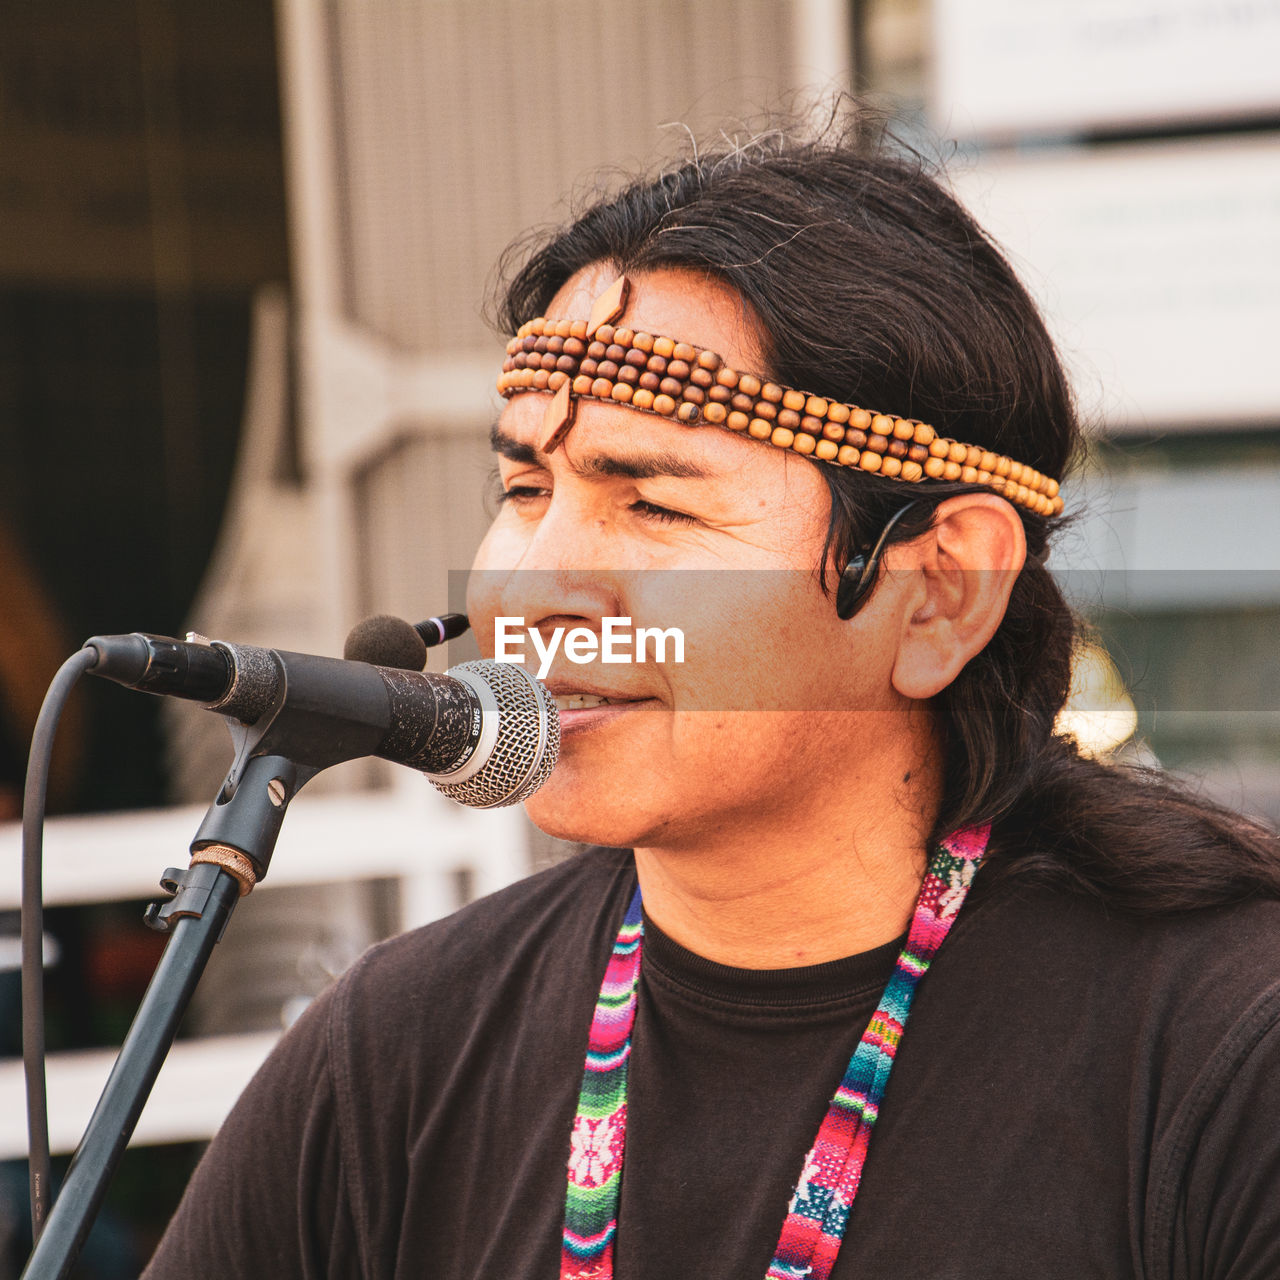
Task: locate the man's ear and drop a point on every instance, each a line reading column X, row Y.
column 962, row 572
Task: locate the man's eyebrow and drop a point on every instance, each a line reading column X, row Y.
column 645, row 465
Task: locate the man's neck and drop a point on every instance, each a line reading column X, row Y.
column 818, row 886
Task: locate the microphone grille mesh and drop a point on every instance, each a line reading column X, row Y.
column 528, row 739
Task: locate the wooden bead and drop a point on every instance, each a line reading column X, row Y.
column 726, row 377
column 664, row 404
column 918, row 453
column 811, row 425
column 877, row 444
column 861, row 419
column 650, row 382
column 737, row 421
column 590, row 367
column 793, row 400
column 749, row 384
column 804, row 443
column 719, row 393
column 833, row 430
column 678, row 369
column 882, row 424
column 596, row 350
column 826, row 450
column 912, row 471
column 933, row 468
column 788, row 419
column 530, row 343
column 701, row 377
column 575, row 347
column 939, row 448
column 759, row 428
column 987, row 462
column 663, row 347
column 684, row 351
column 555, row 344
column 1051, row 488
column 670, row 386
column 601, row 388
column 848, row 456
column 715, row 413
column 816, row 407
column 782, row 437
column 527, row 376
column 636, row 357
column 656, row 364
column 538, row 325
column 623, row 337
column 870, row 461
column 838, row 413
column 743, row 402
column 855, row 437
column 629, row 373
column 897, row 448
column 578, row 329
column 1015, row 472
column 556, row 379
column 642, row 398
column 969, row 474
column 904, row 430
column 958, row 452
column 566, row 364
column 771, row 392
column 767, row 410
column 622, row 392
column 541, row 379
column 984, row 477
column 688, row 413
column 1002, row 467
column 644, row 341
column 925, row 434
column 972, row 456
column 604, row 333
column 695, row 395
column 607, row 369
column 563, row 328
column 709, row 361
column 891, row 467
column 616, row 352
column 951, row 470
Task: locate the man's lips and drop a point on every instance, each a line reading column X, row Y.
column 582, row 706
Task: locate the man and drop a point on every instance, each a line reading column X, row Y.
column 850, row 779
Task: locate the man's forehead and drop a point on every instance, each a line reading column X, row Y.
column 691, row 305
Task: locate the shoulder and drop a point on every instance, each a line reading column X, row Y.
column 534, row 943
column 575, row 898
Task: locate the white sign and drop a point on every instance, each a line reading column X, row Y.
column 1039, row 66
column 1157, row 267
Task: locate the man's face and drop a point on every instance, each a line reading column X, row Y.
column 639, row 516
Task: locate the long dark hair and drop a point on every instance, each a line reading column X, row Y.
column 873, row 286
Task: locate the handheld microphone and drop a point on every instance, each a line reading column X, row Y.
column 485, row 733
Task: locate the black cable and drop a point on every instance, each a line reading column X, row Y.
column 33, row 804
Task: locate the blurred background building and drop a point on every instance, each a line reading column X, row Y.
column 245, row 381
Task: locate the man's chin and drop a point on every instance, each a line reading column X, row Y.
column 567, row 814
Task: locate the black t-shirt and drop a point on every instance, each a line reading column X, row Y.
column 1078, row 1094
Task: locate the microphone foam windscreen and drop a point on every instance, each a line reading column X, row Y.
column 386, row 641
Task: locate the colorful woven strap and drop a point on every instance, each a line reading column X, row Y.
column 819, row 1209
column 600, row 1127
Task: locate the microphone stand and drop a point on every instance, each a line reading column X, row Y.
column 245, row 819
column 310, row 725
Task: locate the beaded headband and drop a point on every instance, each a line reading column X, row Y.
column 575, row 358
